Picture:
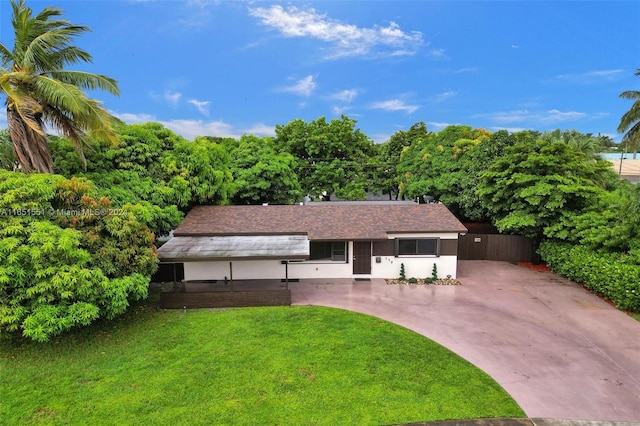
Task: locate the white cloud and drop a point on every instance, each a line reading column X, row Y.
column 339, row 110
column 260, row 129
column 192, row 128
column 303, row 87
column 395, row 105
column 591, row 76
column 132, row 118
column 441, row 97
column 540, row 117
column 508, row 129
column 380, row 137
column 172, row 97
column 515, row 46
column 345, row 39
column 439, row 125
column 168, row 96
column 201, row 106
column 345, row 95
column 189, row 129
column 466, row 70
column 438, row 54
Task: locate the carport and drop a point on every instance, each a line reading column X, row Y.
column 233, row 248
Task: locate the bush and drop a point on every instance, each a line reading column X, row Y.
column 66, row 257
column 403, row 276
column 610, row 275
column 413, row 280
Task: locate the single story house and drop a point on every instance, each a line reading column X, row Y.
column 315, row 240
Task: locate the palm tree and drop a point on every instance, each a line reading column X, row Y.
column 40, row 92
column 588, row 144
column 630, row 121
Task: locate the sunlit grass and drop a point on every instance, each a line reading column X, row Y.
column 280, row 365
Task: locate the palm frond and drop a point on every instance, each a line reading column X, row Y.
column 86, row 113
column 630, row 117
column 632, row 137
column 5, row 55
column 86, row 80
column 67, row 56
column 51, row 51
column 59, row 94
column 630, row 94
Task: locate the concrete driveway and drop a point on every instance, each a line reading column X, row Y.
column 560, row 351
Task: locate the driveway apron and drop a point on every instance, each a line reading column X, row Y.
column 560, row 351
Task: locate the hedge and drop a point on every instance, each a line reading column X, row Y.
column 606, row 274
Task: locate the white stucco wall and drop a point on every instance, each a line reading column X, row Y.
column 389, row 266
column 417, row 267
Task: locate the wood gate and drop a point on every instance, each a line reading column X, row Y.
column 506, row 248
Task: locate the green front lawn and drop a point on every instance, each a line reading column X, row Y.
column 279, row 365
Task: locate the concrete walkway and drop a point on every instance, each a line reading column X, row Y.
column 561, row 352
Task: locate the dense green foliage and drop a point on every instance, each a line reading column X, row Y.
column 66, row 257
column 434, row 164
column 261, row 174
column 280, row 365
column 155, row 168
column 8, row 160
column 533, row 186
column 611, row 275
column 331, row 158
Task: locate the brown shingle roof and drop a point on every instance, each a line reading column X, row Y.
column 330, row 221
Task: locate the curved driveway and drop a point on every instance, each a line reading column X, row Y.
column 560, row 351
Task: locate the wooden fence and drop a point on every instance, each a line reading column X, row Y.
column 506, row 248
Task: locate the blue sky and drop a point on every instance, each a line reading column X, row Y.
column 224, row 68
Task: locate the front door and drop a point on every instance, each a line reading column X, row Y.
column 362, row 257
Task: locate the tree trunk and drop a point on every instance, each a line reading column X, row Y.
column 31, row 147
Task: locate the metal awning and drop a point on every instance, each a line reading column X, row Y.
column 237, row 247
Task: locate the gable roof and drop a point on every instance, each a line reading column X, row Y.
column 325, row 221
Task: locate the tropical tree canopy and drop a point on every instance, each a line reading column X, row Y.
column 39, row 90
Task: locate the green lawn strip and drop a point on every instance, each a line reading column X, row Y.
column 280, row 365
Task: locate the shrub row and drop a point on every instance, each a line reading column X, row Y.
column 606, row 274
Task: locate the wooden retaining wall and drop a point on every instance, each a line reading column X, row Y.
column 225, row 299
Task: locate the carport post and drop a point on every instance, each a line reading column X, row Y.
column 231, row 273
column 286, row 273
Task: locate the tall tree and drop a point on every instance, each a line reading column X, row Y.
column 390, row 153
column 331, row 157
column 533, row 186
column 478, row 161
column 262, row 175
column 630, row 121
column 435, row 165
column 39, row 91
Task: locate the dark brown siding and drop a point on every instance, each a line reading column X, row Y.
column 384, row 248
column 224, row 299
column 448, row 247
column 507, row 248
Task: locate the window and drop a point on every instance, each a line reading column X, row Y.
column 417, row 246
column 335, row 251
